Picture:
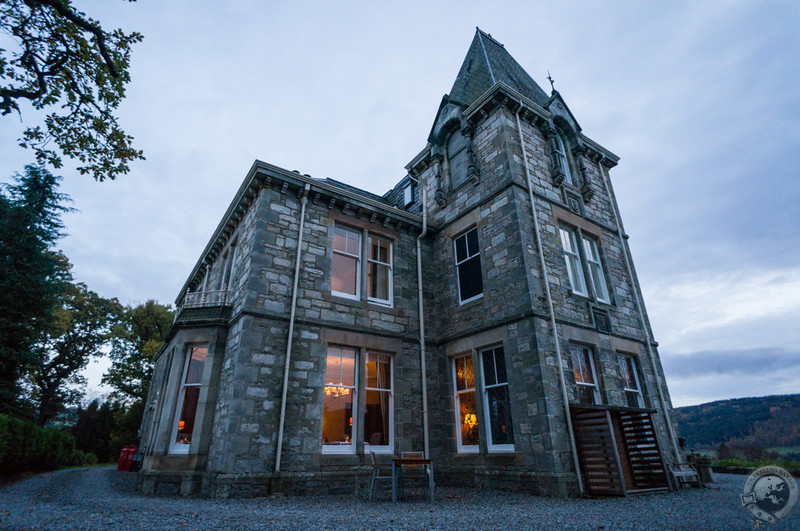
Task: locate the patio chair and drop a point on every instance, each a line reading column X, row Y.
column 379, row 471
column 414, row 472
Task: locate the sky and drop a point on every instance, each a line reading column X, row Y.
column 699, row 99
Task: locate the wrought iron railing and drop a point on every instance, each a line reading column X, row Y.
column 199, row 299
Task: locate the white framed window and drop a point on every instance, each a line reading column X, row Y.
column 587, row 388
column 188, row 399
column 596, row 275
column 496, row 400
column 379, row 270
column 630, row 380
column 379, row 404
column 346, row 266
column 339, row 412
column 466, row 406
column 468, row 266
column 569, row 245
column 562, row 160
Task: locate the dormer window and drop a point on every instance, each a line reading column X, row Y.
column 408, row 194
column 561, row 159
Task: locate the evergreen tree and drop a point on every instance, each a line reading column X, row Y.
column 32, row 275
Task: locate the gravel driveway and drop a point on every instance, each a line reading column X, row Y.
column 102, row 498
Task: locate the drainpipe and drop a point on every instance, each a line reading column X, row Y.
column 303, row 203
column 422, row 325
column 649, row 339
column 543, row 265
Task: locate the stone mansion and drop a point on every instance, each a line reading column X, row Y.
column 484, row 311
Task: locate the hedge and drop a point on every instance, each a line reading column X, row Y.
column 25, row 447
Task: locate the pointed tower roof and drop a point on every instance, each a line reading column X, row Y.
column 486, row 63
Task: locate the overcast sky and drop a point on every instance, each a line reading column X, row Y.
column 701, row 100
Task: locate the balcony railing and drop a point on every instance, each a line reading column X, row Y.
column 200, row 299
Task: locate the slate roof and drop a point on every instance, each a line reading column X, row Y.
column 486, row 63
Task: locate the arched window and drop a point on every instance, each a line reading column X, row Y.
column 561, row 159
column 457, row 158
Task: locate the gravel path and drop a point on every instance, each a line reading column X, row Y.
column 102, row 498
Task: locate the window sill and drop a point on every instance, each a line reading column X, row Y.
column 471, row 300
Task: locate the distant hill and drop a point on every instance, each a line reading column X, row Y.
column 765, row 422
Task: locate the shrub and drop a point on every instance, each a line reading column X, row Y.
column 25, row 447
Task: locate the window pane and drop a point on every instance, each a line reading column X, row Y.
column 586, row 394
column 379, row 371
column 469, row 278
column 468, row 418
column 379, row 249
column 472, row 242
column 340, row 366
column 337, row 415
column 378, row 281
column 197, row 362
column 465, row 377
column 376, row 417
column 489, row 377
column 461, row 249
column 500, row 415
column 191, row 396
column 344, row 274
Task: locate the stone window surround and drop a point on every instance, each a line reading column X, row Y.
column 474, row 345
column 562, row 217
column 366, row 228
column 463, row 224
column 635, row 366
column 363, row 343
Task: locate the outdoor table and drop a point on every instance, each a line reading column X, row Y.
column 399, row 462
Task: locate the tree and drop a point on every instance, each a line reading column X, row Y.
column 135, row 341
column 32, row 276
column 66, row 60
column 81, row 327
column 94, row 426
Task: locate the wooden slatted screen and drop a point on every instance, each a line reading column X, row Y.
column 641, row 450
column 597, row 452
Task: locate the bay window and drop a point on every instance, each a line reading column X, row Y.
column 188, row 398
column 580, row 266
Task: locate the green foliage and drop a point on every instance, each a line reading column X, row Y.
column 743, row 463
column 760, row 422
column 25, row 447
column 80, row 328
column 93, row 429
column 135, row 340
column 63, row 59
column 32, row 276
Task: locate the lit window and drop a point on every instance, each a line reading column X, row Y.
column 468, row 266
column 188, row 398
column 379, row 267
column 630, row 380
column 466, row 408
column 585, row 376
column 596, row 275
column 339, row 412
column 496, row 400
column 378, row 415
column 346, row 266
column 569, row 245
column 561, row 159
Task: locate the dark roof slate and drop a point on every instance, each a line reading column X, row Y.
column 486, row 63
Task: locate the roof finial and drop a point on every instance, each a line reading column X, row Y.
column 552, row 81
